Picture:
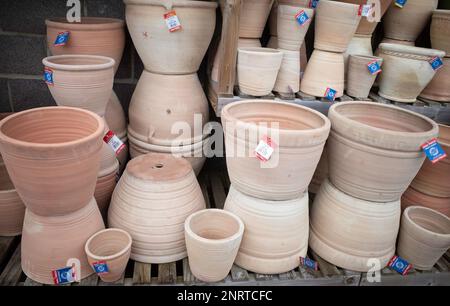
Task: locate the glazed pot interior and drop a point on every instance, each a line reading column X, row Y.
column 87, row 20
column 108, row 243
column 214, row 225
column 430, row 220
column 78, row 60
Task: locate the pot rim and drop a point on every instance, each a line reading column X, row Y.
column 107, row 24
column 173, row 3
column 169, row 149
column 411, row 50
column 341, row 4
column 364, row 56
column 418, row 208
column 441, row 13
column 260, row 51
column 108, row 62
column 110, row 257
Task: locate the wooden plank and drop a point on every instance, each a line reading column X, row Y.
column 89, row 281
column 288, row 275
column 442, row 265
column 352, row 278
column 265, row 277
column 218, row 191
column 325, row 267
column 13, row 270
column 238, row 274
column 142, row 274
column 188, row 277
column 167, row 273
column 6, row 243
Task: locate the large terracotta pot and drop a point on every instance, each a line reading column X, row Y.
column 439, row 87
column 104, row 189
column 412, row 197
column 112, row 247
column 424, row 237
column 254, row 15
column 348, row 232
column 288, row 79
column 165, row 52
column 440, row 27
column 276, row 232
column 290, row 33
column 53, row 157
column 336, row 23
column 360, row 80
column 153, row 198
column 299, row 133
column 324, row 70
column 401, row 61
column 408, row 22
column 213, row 237
column 84, row 81
column 49, row 242
column 115, row 117
column 375, row 149
column 321, row 173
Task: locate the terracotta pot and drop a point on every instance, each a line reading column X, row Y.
column 424, row 237
column 115, row 117
column 213, row 237
column 360, row 80
column 53, row 157
column 324, row 70
column 288, row 79
column 258, row 69
column 303, row 59
column 387, row 40
column 342, row 226
column 299, row 3
column 273, row 42
column 408, row 22
column 439, row 87
column 401, row 61
column 276, row 232
column 290, row 33
column 321, row 173
column 84, row 81
column 104, row 190
column 165, row 52
column 254, row 15
column 440, row 27
column 49, row 242
column 412, row 197
column 359, row 45
column 299, row 133
column 273, row 19
column 336, row 23
column 155, row 108
column 113, row 247
column 375, row 149
column 153, row 198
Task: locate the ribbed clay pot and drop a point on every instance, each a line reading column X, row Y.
column 165, row 52
column 412, row 197
column 49, row 242
column 106, row 182
column 213, row 237
column 115, row 117
column 359, row 45
column 111, row 246
column 408, row 22
column 439, row 87
column 336, row 23
column 153, row 198
column 440, row 27
column 424, row 237
column 253, row 18
column 406, row 71
column 84, row 81
column 360, row 80
column 321, row 173
column 276, row 232
column 53, row 157
column 348, row 232
column 375, row 149
column 290, row 33
column 299, row 133
column 288, row 79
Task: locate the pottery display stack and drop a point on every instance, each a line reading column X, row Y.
column 169, row 108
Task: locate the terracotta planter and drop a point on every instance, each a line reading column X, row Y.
column 439, row 87
column 440, row 27
column 336, row 23
column 153, row 198
column 387, row 40
column 324, row 70
column 165, row 52
column 49, row 242
column 342, row 225
column 412, row 197
column 300, row 138
column 84, row 81
column 254, row 15
column 273, row 42
column 360, row 80
column 276, row 232
column 321, row 173
column 115, row 117
column 359, row 45
column 288, row 79
column 424, row 237
column 402, row 60
column 53, row 157
column 113, row 247
column 299, row 3
column 290, row 33
column 104, row 190
column 375, row 149
column 213, row 237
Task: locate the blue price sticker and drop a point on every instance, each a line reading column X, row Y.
column 436, row 63
column 330, row 94
column 48, row 76
column 100, row 267
column 400, row 3
column 400, row 265
column 302, row 17
column 434, row 151
column 309, row 263
column 63, row 276
column 313, row 3
column 374, row 67
column 62, row 38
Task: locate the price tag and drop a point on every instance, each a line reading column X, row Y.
column 114, row 142
column 100, row 267
column 436, row 63
column 400, row 3
column 62, row 39
column 302, row 17
column 265, row 149
column 365, row 10
column 313, row 3
column 434, row 151
column 400, row 265
column 48, row 76
column 64, row 276
column 374, row 67
column 172, row 21
column 309, row 263
column 330, row 94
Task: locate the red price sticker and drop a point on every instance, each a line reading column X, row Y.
column 114, row 142
column 172, row 21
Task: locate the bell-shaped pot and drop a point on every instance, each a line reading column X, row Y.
column 213, row 237
column 290, row 33
column 439, row 87
column 288, row 79
column 440, row 29
column 53, row 157
column 253, row 18
column 298, row 135
column 360, row 80
column 412, row 197
column 375, row 149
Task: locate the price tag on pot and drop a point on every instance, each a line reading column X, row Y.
column 309, row 263
column 313, row 3
column 374, row 67
column 400, row 265
column 436, row 63
column 64, row 276
column 330, row 94
column 302, row 17
column 434, row 151
column 365, row 10
column 62, row 39
column 172, row 21
column 100, row 267
column 48, row 76
column 114, row 142
column 400, row 3
column 265, row 149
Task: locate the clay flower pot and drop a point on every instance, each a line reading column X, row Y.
column 359, row 45
column 336, row 23
column 115, row 117
column 253, row 18
column 213, row 237
column 112, row 247
column 412, row 197
column 375, row 149
column 387, row 40
column 321, row 173
column 360, row 80
column 109, row 167
column 298, row 3
column 276, row 232
column 440, row 27
column 288, row 79
column 153, row 198
column 49, row 242
column 53, row 157
column 290, row 33
column 273, row 42
column 424, row 237
column 299, row 133
column 84, row 81
column 258, row 69
column 165, row 52
column 273, row 19
column 342, row 226
column 400, row 60
column 439, row 87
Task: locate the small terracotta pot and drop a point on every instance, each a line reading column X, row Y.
column 104, row 190
column 288, row 79
column 290, row 33
column 424, row 237
column 253, row 18
column 53, row 157
column 439, row 87
column 112, row 247
column 321, row 173
column 359, row 45
column 360, row 80
column 412, row 197
column 115, row 116
column 440, row 27
column 213, row 237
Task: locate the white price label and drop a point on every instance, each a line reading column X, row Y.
column 114, row 142
column 172, row 21
column 265, row 149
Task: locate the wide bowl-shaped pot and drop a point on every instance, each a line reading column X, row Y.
column 53, row 157
column 288, row 79
column 153, row 198
column 213, row 237
column 342, row 226
column 253, row 18
column 359, row 79
column 406, row 71
column 48, row 243
column 424, row 237
column 440, row 27
column 375, row 149
column 165, row 52
column 298, row 134
column 412, row 197
column 439, row 87
column 112, row 247
column 290, row 33
column 276, row 232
